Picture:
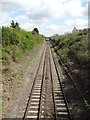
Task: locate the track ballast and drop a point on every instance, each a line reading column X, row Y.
column 47, row 98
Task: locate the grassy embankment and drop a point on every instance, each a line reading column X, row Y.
column 72, row 52
column 19, row 50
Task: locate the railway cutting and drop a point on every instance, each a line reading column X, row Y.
column 47, row 99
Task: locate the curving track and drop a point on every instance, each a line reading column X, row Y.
column 47, row 98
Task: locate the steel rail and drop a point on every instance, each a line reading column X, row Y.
column 41, row 87
column 52, row 89
column 70, row 117
column 33, row 86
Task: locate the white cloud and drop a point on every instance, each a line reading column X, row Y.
column 85, row 11
column 70, row 23
column 40, row 13
column 28, row 26
column 42, row 9
column 4, row 17
column 10, row 7
column 79, row 23
column 21, row 18
column 55, row 29
column 38, row 9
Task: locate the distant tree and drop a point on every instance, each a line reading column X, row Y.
column 12, row 24
column 35, row 30
column 15, row 25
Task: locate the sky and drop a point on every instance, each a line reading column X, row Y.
column 49, row 16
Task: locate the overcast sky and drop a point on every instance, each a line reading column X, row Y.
column 49, row 16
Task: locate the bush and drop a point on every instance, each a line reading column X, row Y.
column 17, row 42
column 35, row 30
column 9, row 36
column 72, row 47
column 14, row 38
column 80, row 34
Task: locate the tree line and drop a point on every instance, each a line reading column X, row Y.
column 16, row 25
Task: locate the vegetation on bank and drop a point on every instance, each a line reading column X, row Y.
column 72, row 52
column 19, row 50
column 17, row 42
column 72, row 46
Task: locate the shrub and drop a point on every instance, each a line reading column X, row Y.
column 35, row 30
column 15, row 25
column 14, row 38
column 80, row 34
column 9, row 36
column 17, row 42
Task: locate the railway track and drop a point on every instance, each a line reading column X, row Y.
column 47, row 98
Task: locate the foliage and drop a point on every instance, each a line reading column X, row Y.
column 16, row 43
column 14, row 25
column 73, row 47
column 10, row 36
column 35, row 30
column 72, row 52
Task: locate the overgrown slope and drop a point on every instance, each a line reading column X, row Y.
column 72, row 51
column 16, row 43
column 19, row 50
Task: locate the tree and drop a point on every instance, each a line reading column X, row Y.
column 36, row 30
column 15, row 25
column 12, row 24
